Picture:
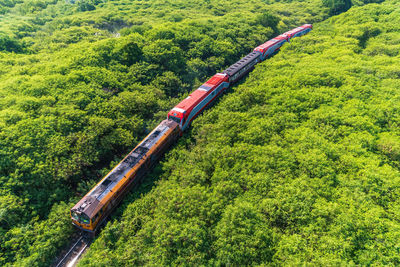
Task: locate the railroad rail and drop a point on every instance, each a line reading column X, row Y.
column 72, row 254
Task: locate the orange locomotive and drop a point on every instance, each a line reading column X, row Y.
column 93, row 209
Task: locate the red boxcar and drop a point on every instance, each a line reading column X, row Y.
column 299, row 31
column 189, row 108
column 269, row 47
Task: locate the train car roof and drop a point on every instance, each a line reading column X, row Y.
column 295, row 30
column 90, row 204
column 268, row 44
column 215, row 80
column 233, row 69
column 298, row 29
column 192, row 100
column 187, row 104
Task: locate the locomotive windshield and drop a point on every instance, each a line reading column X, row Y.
column 82, row 218
column 178, row 120
column 75, row 216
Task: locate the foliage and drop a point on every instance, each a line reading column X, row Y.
column 297, row 165
column 268, row 20
column 9, row 44
column 84, row 81
column 36, row 244
column 337, row 6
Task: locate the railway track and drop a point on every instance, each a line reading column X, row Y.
column 71, row 255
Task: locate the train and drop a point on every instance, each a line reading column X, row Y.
column 94, row 208
column 187, row 110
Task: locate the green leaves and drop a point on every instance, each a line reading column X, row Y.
column 242, row 236
column 268, row 20
column 10, row 44
column 337, row 6
column 165, row 53
column 12, row 211
column 297, row 165
column 389, row 145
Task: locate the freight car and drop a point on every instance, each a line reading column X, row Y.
column 94, row 208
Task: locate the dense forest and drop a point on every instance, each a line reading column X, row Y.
column 297, row 164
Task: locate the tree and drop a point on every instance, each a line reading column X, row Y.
column 337, row 6
column 9, row 44
column 268, row 20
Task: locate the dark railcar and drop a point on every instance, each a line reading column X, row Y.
column 242, row 67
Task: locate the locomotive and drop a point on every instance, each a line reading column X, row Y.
column 92, row 210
